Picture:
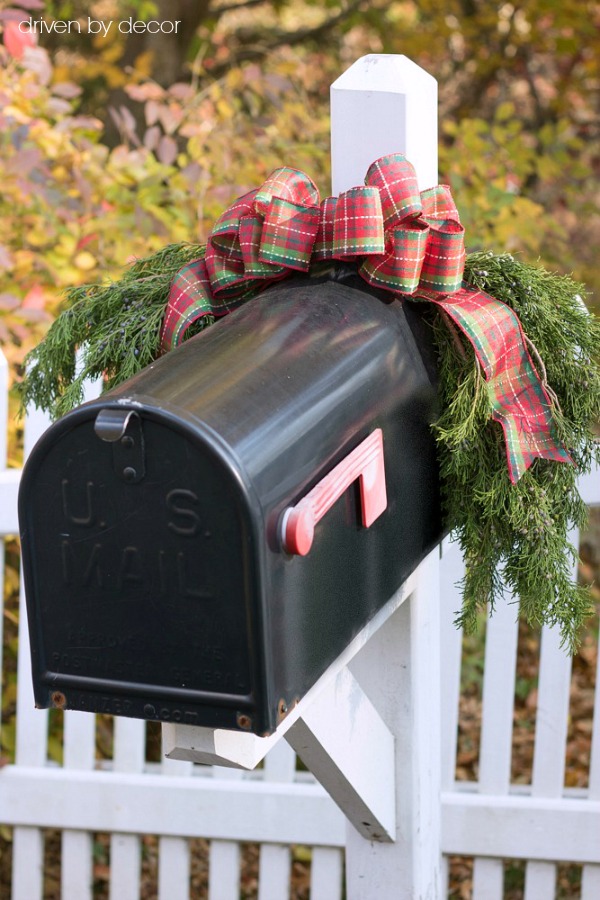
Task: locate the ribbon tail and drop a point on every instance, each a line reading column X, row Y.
column 524, row 445
column 518, row 398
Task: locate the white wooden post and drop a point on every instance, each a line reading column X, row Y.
column 369, row 730
column 386, row 104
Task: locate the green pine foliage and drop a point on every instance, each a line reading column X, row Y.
column 514, row 536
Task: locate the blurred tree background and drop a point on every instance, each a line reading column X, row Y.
column 112, row 145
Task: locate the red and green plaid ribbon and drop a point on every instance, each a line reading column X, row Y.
column 405, row 241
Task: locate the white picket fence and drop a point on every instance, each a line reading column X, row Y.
column 280, row 807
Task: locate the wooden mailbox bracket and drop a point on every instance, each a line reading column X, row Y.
column 336, row 731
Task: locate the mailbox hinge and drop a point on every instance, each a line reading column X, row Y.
column 123, row 429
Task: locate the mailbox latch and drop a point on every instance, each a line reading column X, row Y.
column 123, row 429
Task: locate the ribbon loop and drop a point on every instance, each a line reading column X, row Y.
column 250, row 236
column 444, row 261
column 288, row 234
column 358, row 224
column 224, row 234
column 323, row 247
column 401, row 266
column 396, row 180
column 438, row 203
column 286, row 184
column 263, row 234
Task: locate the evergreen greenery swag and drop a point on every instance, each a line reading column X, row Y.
column 515, row 535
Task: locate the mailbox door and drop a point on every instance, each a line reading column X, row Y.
column 140, row 562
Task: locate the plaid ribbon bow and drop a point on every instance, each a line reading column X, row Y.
column 408, row 242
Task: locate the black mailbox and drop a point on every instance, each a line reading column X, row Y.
column 200, row 543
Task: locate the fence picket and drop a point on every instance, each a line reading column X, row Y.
column 173, row 869
column 32, row 725
column 280, row 763
column 550, row 740
column 451, row 571
column 125, row 862
column 540, row 880
column 76, row 871
column 224, row 870
column 224, row 859
column 590, row 882
column 125, row 849
column 31, row 749
column 32, row 731
column 77, row 846
column 174, row 852
column 274, row 872
column 275, row 859
column 326, row 874
column 79, row 740
column 590, row 878
column 28, row 864
column 496, row 731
